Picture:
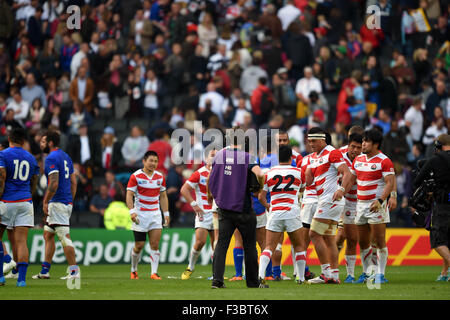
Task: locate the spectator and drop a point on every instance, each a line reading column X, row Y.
column 198, row 68
column 76, row 118
column 414, row 120
column 251, row 74
column 32, row 91
column 82, row 89
column 100, row 201
column 76, row 59
column 8, row 122
column 262, row 101
column 114, row 186
column 384, row 121
column 216, row 99
column 436, row 129
column 288, row 14
column 142, row 30
column 207, row 34
column 117, row 215
column 37, row 112
column 84, row 186
column 134, row 148
column 164, row 150
column 110, row 156
column 298, row 50
column 318, row 107
column 34, row 27
column 152, row 91
column 437, row 98
column 20, row 107
column 82, row 147
column 395, row 145
column 270, row 21
column 68, row 50
column 217, row 60
column 54, row 118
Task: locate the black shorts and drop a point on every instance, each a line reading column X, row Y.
column 140, row 236
column 440, row 226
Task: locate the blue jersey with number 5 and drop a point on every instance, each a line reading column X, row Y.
column 20, row 166
column 59, row 161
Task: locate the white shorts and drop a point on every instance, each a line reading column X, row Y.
column 307, row 212
column 261, row 220
column 206, row 223
column 326, row 210
column 17, row 214
column 281, row 225
column 349, row 213
column 147, row 221
column 59, row 214
column 364, row 216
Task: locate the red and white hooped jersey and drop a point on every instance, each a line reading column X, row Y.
column 343, row 149
column 351, row 196
column 370, row 174
column 297, row 157
column 283, row 182
column 310, row 193
column 324, row 167
column 147, row 190
column 198, row 182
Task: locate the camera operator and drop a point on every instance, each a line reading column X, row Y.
column 438, row 166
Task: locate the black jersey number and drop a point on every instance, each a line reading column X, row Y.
column 280, row 179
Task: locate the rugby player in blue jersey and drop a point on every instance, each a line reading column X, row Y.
column 18, row 179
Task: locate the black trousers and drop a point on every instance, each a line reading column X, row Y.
column 440, row 226
column 229, row 221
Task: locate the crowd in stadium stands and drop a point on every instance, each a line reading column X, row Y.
column 136, row 70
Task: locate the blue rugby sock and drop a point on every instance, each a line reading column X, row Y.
column 1, row 259
column 276, row 271
column 306, row 269
column 238, row 255
column 45, row 267
column 269, row 269
column 7, row 258
column 22, row 267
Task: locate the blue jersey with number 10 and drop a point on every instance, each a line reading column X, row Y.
column 59, row 161
column 20, row 166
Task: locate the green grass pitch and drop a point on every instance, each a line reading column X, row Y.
column 111, row 282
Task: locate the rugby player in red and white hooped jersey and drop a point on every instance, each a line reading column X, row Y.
column 282, row 138
column 350, row 231
column 283, row 182
column 374, row 174
column 203, row 211
column 352, row 130
column 146, row 190
column 326, row 164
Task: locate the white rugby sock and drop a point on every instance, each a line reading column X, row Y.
column 193, row 259
column 264, row 260
column 335, row 274
column 350, row 262
column 326, row 271
column 375, row 256
column 154, row 260
column 382, row 259
column 135, row 257
column 300, row 263
column 366, row 258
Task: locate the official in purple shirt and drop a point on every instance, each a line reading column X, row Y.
column 229, row 188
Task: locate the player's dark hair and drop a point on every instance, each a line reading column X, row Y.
column 150, row 153
column 356, row 129
column 315, row 130
column 52, row 136
column 285, row 154
column 355, row 137
column 4, row 144
column 375, row 136
column 327, row 138
column 18, row 135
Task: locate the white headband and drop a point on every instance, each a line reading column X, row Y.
column 317, row 136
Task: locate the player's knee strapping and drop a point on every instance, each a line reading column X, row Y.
column 323, row 229
column 63, row 233
column 49, row 229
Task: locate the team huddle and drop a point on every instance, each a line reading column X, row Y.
column 327, row 197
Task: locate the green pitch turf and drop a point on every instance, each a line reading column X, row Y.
column 113, row 282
